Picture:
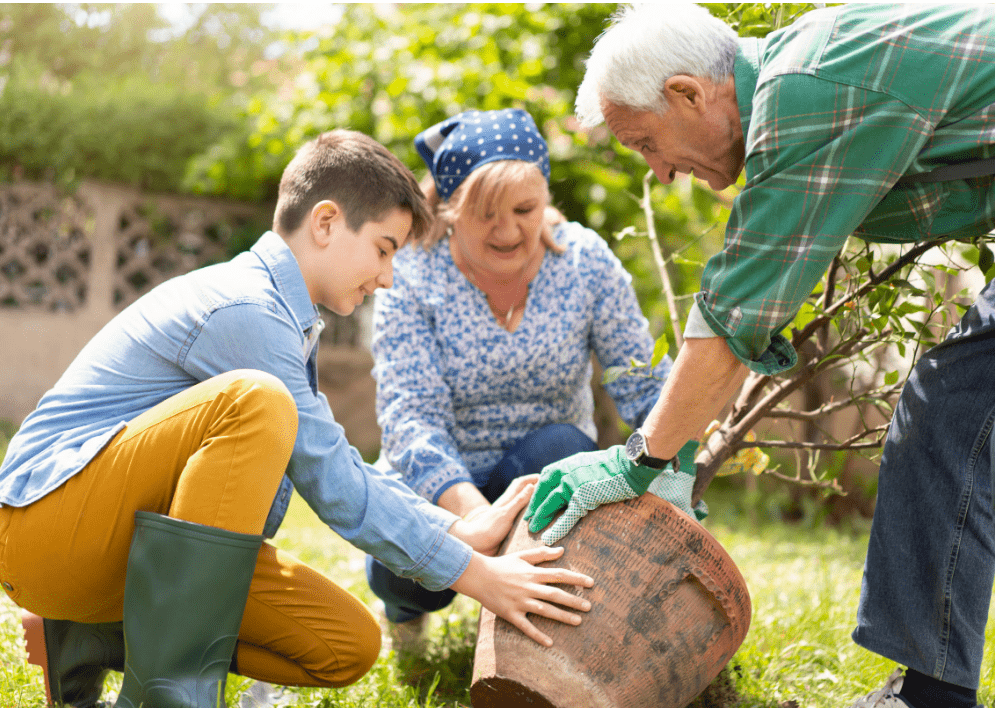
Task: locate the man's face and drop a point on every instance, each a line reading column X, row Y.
column 706, row 145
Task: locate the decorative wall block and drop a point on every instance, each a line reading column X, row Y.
column 59, row 252
column 156, row 241
column 46, row 245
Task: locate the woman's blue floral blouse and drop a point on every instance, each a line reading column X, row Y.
column 455, row 389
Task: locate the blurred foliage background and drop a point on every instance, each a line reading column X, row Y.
column 217, row 104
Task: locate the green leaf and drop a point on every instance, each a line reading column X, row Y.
column 661, row 347
column 891, row 378
column 908, row 308
column 681, row 260
column 612, row 374
column 985, row 257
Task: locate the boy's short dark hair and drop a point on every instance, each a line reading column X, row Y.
column 355, row 171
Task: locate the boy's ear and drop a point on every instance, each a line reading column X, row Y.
column 324, row 217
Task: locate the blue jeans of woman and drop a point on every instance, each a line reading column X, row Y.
column 928, row 576
column 404, row 599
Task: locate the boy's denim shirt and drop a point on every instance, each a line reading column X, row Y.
column 253, row 312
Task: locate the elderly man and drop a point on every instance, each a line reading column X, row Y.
column 867, row 119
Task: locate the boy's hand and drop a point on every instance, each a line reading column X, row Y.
column 512, row 586
column 484, row 528
column 581, row 483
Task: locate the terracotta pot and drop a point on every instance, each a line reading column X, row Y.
column 669, row 609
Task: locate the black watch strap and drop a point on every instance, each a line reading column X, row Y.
column 636, row 451
column 655, row 463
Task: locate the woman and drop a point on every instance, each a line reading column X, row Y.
column 483, row 345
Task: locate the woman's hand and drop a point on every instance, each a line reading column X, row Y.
column 484, row 528
column 512, row 586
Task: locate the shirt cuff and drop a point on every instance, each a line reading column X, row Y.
column 449, row 564
column 777, row 357
column 780, row 356
column 448, row 558
column 696, row 326
column 446, row 485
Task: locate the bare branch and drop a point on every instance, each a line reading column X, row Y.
column 852, row 443
column 730, row 437
column 823, row 334
column 749, row 392
column 830, row 484
column 672, row 304
column 828, row 408
column 738, row 423
column 788, row 445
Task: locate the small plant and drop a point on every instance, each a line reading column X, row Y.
column 445, row 669
column 877, row 310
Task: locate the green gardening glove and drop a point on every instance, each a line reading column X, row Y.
column 676, row 487
column 581, row 483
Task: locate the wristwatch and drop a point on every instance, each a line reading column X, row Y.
column 636, row 451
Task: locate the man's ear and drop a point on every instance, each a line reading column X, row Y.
column 323, row 218
column 683, row 91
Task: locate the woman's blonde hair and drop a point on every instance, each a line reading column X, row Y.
column 480, row 192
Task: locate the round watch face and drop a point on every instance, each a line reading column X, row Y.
column 634, row 446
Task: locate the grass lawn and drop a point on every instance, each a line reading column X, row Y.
column 804, row 585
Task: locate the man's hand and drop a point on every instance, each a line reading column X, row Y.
column 676, row 487
column 581, row 483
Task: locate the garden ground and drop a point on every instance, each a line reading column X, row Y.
column 804, row 581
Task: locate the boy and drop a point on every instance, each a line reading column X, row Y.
column 168, row 451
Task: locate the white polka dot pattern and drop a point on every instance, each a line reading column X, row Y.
column 476, row 138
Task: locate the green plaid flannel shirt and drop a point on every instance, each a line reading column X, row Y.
column 835, row 109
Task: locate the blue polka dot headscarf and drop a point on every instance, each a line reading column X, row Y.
column 459, row 145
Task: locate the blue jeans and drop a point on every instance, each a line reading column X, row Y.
column 928, row 575
column 405, row 599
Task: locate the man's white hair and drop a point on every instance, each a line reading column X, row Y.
column 643, row 47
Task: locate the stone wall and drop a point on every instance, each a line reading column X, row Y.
column 69, row 262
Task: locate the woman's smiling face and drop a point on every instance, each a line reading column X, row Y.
column 505, row 236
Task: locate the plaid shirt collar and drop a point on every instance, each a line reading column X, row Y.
column 746, row 68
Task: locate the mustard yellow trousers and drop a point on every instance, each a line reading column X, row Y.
column 213, row 455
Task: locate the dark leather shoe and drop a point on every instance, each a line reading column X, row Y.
column 74, row 656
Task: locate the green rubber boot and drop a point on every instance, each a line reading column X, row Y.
column 74, row 657
column 185, row 593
